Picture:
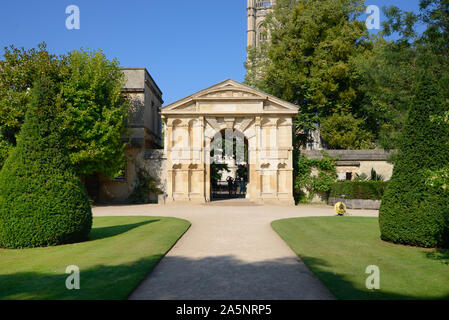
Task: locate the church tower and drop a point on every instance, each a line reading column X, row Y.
column 257, row 10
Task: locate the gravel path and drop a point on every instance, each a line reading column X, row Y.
column 229, row 253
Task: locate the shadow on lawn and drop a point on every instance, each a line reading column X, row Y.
column 221, row 277
column 98, row 283
column 343, row 288
column 225, row 277
column 209, row 278
column 112, row 231
column 441, row 255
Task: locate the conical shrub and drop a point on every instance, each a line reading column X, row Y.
column 42, row 201
column 415, row 206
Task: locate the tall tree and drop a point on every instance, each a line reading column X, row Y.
column 386, row 80
column 96, row 113
column 42, row 201
column 343, row 131
column 415, row 206
column 308, row 58
column 387, row 77
column 19, row 70
column 95, row 110
column 435, row 14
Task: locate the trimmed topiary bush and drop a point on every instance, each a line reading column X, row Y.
column 415, row 206
column 42, row 201
column 369, row 190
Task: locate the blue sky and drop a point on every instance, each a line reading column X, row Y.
column 186, row 45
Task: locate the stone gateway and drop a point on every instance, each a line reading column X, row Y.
column 263, row 121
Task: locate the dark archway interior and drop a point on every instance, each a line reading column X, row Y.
column 229, row 165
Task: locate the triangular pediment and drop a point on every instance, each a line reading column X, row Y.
column 229, row 91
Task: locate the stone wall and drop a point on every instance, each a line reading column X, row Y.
column 117, row 191
column 152, row 161
column 155, row 163
column 357, row 161
column 365, row 204
column 144, row 133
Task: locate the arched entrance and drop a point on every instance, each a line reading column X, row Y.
column 263, row 122
column 229, row 165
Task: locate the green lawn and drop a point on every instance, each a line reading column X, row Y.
column 120, row 252
column 338, row 250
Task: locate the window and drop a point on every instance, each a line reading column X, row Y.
column 348, row 176
column 263, row 3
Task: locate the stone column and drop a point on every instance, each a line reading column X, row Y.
column 256, row 183
column 202, row 165
column 207, row 188
column 167, row 146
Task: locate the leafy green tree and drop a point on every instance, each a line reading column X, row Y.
column 307, row 61
column 387, row 77
column 19, row 70
column 42, row 201
column 435, row 14
column 95, row 111
column 386, row 80
column 415, row 206
column 310, row 43
column 216, row 170
column 343, row 131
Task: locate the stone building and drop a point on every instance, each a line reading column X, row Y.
column 179, row 158
column 145, row 136
column 264, row 122
column 257, row 10
column 181, row 163
column 357, row 162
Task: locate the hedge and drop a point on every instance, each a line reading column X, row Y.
column 42, row 201
column 415, row 206
column 369, row 190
